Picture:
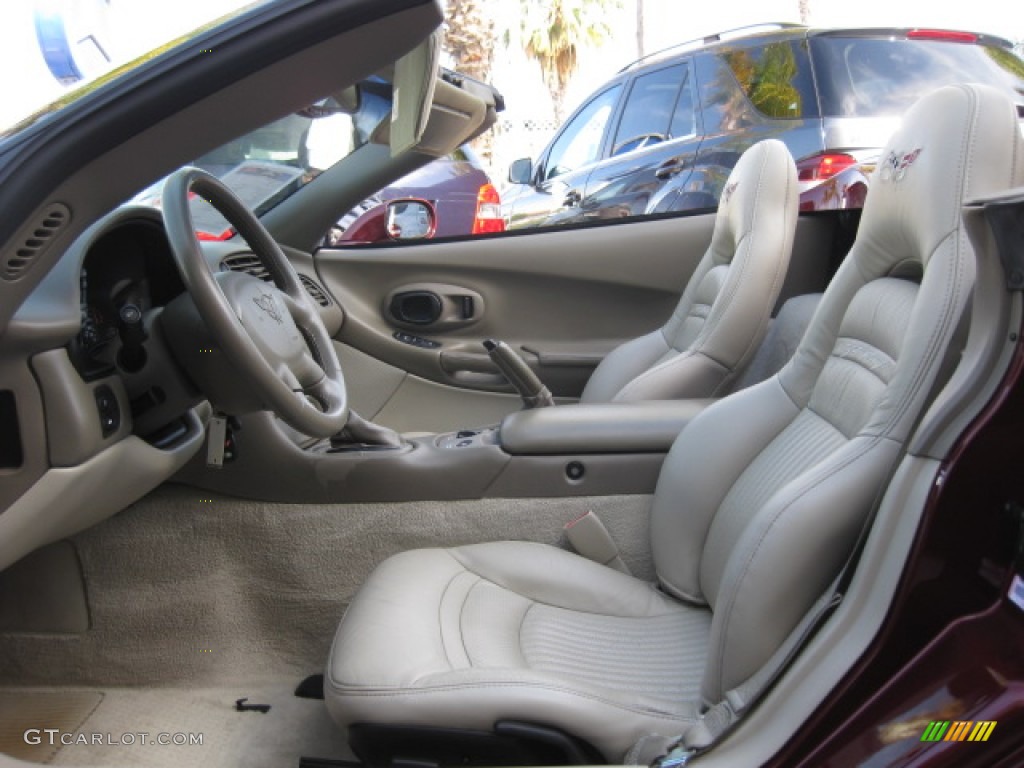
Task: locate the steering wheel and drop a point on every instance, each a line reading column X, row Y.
column 272, row 334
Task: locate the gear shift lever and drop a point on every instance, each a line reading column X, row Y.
column 360, row 434
column 519, row 374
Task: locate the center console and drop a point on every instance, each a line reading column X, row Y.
column 569, row 450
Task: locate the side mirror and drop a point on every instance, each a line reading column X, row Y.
column 521, row 171
column 410, row 219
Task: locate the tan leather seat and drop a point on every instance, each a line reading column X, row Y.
column 724, row 310
column 758, row 504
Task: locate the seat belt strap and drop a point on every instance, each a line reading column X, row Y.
column 591, row 539
column 717, row 721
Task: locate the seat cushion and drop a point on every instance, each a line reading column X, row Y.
column 539, row 635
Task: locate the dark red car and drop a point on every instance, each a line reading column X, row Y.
column 455, row 192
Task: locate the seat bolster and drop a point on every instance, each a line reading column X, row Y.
column 687, row 375
column 624, row 363
column 390, row 635
column 708, row 456
column 553, row 576
column 761, row 213
column 769, row 582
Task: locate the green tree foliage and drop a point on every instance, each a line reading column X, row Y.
column 768, row 83
column 469, row 37
column 1007, row 60
column 554, row 31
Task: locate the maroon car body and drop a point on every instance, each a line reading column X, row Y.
column 952, row 646
column 456, row 188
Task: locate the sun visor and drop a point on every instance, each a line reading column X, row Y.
column 455, row 116
column 413, row 93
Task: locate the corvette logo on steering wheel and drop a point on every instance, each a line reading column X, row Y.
column 265, row 301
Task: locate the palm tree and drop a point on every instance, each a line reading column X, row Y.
column 469, row 38
column 805, row 11
column 553, row 31
column 640, row 50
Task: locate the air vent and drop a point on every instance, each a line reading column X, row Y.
column 247, row 263
column 251, row 265
column 315, row 291
column 53, row 221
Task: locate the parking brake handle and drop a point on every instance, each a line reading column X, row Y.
column 519, row 374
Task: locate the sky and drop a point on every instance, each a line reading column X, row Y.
column 131, row 27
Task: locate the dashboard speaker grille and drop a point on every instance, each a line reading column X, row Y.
column 53, row 221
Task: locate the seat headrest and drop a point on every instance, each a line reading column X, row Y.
column 954, row 144
column 762, row 179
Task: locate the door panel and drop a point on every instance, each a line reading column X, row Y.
column 395, row 398
column 564, row 299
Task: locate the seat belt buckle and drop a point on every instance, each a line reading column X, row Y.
column 677, row 756
column 591, row 539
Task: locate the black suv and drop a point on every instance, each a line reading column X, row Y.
column 665, row 132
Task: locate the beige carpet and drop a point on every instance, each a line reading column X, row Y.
column 129, row 724
column 184, row 592
column 25, row 713
column 194, row 604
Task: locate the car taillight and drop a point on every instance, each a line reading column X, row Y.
column 225, row 235
column 488, row 212
column 948, row 35
column 823, row 167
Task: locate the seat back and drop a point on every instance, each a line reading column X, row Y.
column 763, row 495
column 724, row 310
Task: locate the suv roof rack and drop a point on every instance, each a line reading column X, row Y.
column 715, row 38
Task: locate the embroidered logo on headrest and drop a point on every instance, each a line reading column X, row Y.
column 729, row 189
column 895, row 166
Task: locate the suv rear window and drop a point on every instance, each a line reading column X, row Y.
column 776, row 78
column 871, row 77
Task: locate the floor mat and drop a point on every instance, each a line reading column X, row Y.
column 26, row 714
column 175, row 727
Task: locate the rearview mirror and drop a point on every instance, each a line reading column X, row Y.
column 410, row 219
column 521, row 171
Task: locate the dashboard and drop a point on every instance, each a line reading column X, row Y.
column 95, row 408
column 93, row 400
column 126, row 273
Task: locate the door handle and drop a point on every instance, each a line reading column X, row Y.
column 668, row 170
column 572, row 199
column 416, row 307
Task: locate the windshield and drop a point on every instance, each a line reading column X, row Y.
column 59, row 51
column 267, row 165
column 871, row 77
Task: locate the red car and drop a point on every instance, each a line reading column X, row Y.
column 453, row 193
